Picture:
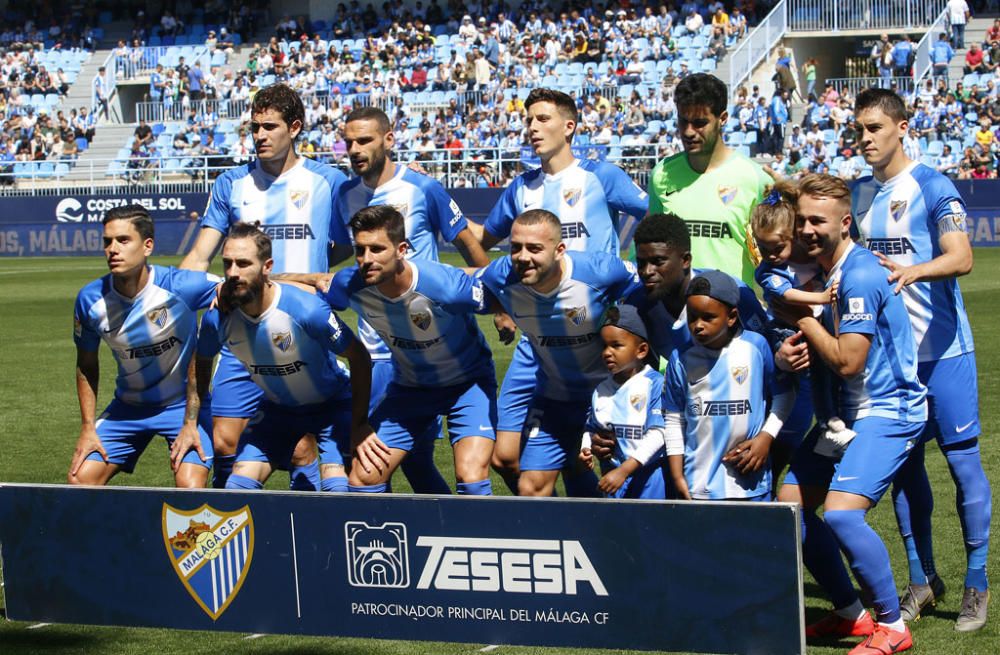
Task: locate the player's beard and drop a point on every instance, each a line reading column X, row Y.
column 233, row 294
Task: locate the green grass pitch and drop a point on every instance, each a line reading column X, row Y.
column 39, row 423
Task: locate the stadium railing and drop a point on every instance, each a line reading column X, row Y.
column 826, row 16
column 922, row 66
column 756, row 46
column 140, row 62
column 856, row 85
column 198, row 171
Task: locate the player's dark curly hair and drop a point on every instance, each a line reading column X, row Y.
column 137, row 215
column 702, row 90
column 380, row 217
column 252, row 231
column 885, row 99
column 669, row 229
column 563, row 102
column 370, row 114
column 283, row 99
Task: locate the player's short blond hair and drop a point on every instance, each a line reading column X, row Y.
column 821, row 185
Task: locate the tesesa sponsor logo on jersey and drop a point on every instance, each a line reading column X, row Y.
column 894, row 246
column 699, row 407
column 378, row 556
column 210, row 550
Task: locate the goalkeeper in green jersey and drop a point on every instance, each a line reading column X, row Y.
column 712, row 187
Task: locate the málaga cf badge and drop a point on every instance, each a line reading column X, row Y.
column 211, row 551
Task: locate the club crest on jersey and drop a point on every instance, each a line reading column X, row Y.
column 740, row 373
column 422, row 319
column 896, row 209
column 299, row 197
column 210, row 550
column 576, row 315
column 282, row 340
column 572, row 196
column 637, row 401
column 727, row 194
column 157, row 316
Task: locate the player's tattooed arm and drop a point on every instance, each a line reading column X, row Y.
column 199, row 375
column 87, row 379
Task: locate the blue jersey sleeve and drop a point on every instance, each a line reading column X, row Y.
column 654, row 412
column 945, row 209
column 623, row 194
column 84, row 335
column 197, row 289
column 218, row 214
column 459, row 293
column 499, row 221
column 622, row 277
column 773, row 280
column 325, row 326
column 209, row 343
column 338, row 296
column 674, row 386
column 860, row 297
column 443, row 212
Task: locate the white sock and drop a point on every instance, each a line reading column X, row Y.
column 852, row 611
column 895, row 626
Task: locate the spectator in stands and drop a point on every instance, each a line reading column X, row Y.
column 737, row 23
column 975, row 61
column 717, row 44
column 196, row 80
column 143, row 133
column 778, row 117
column 122, row 55
column 902, row 56
column 941, row 54
column 169, row 25
column 101, row 93
column 693, row 22
column 958, row 16
column 947, row 162
column 881, row 56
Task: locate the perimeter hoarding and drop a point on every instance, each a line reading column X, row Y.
column 708, row 577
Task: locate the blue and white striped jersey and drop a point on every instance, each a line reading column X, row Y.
column 289, row 350
column 668, row 332
column 430, row 329
column 903, row 219
column 629, row 410
column 152, row 335
column 587, row 197
column 722, row 398
column 563, row 326
column 428, row 211
column 294, row 209
column 865, row 304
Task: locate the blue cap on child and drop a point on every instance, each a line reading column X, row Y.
column 627, row 318
column 717, row 285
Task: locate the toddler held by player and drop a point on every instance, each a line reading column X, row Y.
column 627, row 405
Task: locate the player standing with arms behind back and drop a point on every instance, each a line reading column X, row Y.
column 587, row 196
column 914, row 219
column 292, row 198
column 711, row 186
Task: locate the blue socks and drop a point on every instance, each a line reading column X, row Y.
column 821, row 555
column 419, row 468
column 369, row 489
column 305, row 477
column 334, row 484
column 243, row 482
column 480, row 488
column 222, row 468
column 913, row 501
column 868, row 558
column 973, row 499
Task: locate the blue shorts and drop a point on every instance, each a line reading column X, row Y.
column 952, row 399
column 409, row 413
column 125, row 430
column 234, row 394
column 552, row 433
column 274, row 431
column 382, row 372
column 801, row 419
column 649, row 482
column 518, row 388
column 868, row 466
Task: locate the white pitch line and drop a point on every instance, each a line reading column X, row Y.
column 37, row 626
column 254, row 636
column 486, row 649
